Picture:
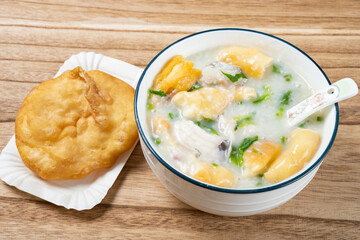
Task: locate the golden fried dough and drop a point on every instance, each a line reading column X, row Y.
column 207, row 102
column 75, row 123
column 251, row 61
column 214, row 174
column 177, row 75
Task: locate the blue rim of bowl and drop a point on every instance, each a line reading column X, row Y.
column 230, row 190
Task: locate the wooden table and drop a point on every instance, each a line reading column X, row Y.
column 37, row 36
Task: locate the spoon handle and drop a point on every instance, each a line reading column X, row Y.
column 338, row 91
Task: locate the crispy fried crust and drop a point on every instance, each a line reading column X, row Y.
column 76, row 123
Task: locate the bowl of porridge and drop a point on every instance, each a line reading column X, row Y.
column 211, row 109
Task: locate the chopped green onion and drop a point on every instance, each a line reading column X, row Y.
column 256, row 151
column 285, row 98
column 240, row 102
column 236, row 155
column 243, row 121
column 283, row 139
column 234, row 78
column 196, row 86
column 209, row 120
column 241, row 75
column 319, row 118
column 276, row 69
column 280, row 114
column 161, row 93
column 262, row 98
column 215, row 165
column 157, row 140
column 267, row 88
column 288, row 77
column 246, row 143
column 303, row 124
column 265, row 96
column 259, row 184
column 206, row 128
column 173, row 115
column 260, row 175
column 210, row 130
column 150, row 106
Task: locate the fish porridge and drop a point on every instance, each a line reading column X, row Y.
column 219, row 116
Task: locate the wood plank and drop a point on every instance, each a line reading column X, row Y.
column 7, row 130
column 154, row 223
column 12, row 96
column 172, row 28
column 272, row 14
column 272, row 8
column 124, row 39
column 30, row 52
column 84, row 38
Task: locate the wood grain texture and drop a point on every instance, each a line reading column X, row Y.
column 36, row 37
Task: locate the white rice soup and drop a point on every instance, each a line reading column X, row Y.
column 189, row 139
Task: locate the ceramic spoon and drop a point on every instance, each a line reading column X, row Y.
column 338, row 91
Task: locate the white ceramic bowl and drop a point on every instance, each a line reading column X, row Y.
column 224, row 201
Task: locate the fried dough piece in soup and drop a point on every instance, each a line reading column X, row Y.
column 303, row 146
column 251, row 61
column 206, row 102
column 176, row 75
column 215, row 174
column 259, row 156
